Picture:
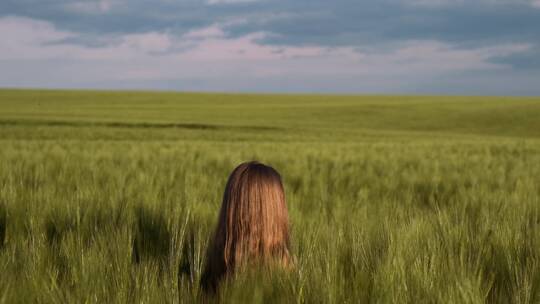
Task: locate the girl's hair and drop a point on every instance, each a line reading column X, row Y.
column 253, row 224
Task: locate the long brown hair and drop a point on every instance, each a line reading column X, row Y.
column 253, row 224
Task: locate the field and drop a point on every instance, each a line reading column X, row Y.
column 110, row 197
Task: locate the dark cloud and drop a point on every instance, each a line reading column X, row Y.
column 346, row 22
column 527, row 60
column 300, row 22
column 119, row 17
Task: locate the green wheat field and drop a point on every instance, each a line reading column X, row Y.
column 111, row 197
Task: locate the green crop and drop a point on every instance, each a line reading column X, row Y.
column 111, row 197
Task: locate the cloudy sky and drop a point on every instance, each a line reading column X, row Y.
column 479, row 47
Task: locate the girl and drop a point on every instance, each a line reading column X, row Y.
column 253, row 224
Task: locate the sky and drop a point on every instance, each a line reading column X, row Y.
column 454, row 47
